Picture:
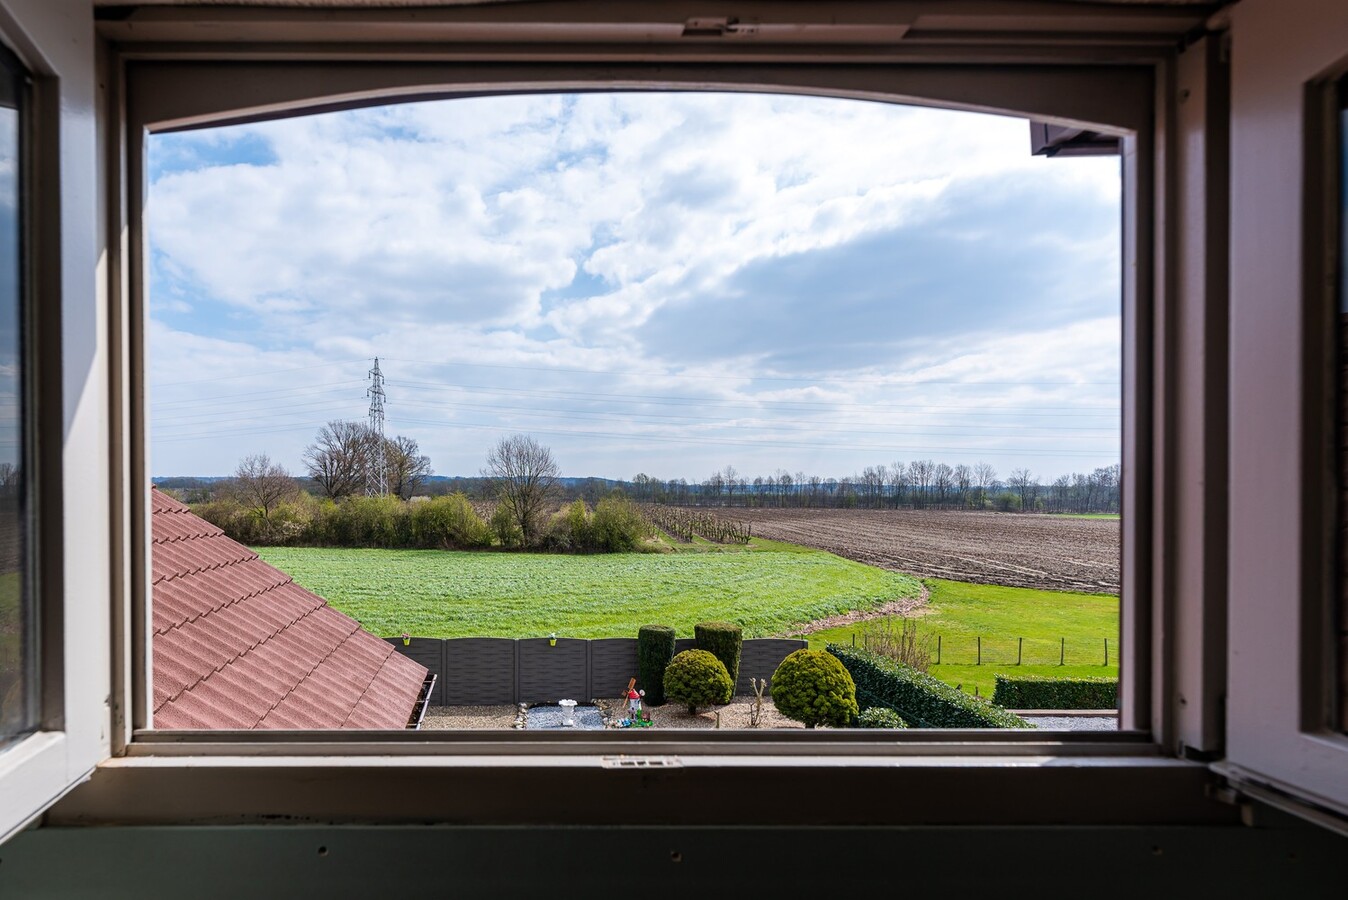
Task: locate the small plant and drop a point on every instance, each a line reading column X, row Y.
column 655, row 649
column 756, row 710
column 725, row 641
column 811, row 686
column 696, row 678
column 880, row 717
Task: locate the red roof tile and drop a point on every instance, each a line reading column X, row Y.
column 237, row 644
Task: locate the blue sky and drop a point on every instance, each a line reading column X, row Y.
column 659, row 283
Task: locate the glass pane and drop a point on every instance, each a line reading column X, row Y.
column 18, row 709
column 486, row 371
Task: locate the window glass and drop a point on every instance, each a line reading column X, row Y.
column 541, row 370
column 18, row 709
column 1342, row 612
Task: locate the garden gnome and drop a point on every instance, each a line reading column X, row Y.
column 634, row 703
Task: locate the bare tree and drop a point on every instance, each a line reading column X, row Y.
column 964, row 477
column 261, row 485
column 405, row 467
column 525, row 476
column 338, row 456
column 1022, row 482
column 985, row 476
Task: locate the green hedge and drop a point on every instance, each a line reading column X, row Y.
column 1045, row 692
column 920, row 699
column 723, row 640
column 655, row 649
column 880, row 717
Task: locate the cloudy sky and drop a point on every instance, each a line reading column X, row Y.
column 659, row 283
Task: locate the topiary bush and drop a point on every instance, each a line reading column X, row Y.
column 813, row 687
column 880, row 717
column 723, row 640
column 920, row 699
column 1047, row 692
column 655, row 649
column 696, row 678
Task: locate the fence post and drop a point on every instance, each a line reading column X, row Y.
column 938, row 649
column 1062, row 650
column 1106, row 651
column 1020, row 649
column 980, row 651
column 854, row 640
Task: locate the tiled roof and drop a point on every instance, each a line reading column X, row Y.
column 238, row 644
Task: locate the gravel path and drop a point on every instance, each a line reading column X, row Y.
column 586, row 717
column 444, row 717
column 1074, row 723
column 735, row 715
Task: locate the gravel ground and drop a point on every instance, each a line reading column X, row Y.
column 444, row 717
column 736, row 715
column 1074, row 723
column 586, row 717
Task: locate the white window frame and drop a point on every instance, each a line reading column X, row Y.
column 1282, row 737
column 69, row 353
column 1123, row 81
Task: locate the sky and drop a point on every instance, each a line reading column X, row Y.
column 666, row 283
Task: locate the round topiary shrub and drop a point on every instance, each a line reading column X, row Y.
column 811, row 686
column 880, row 717
column 723, row 640
column 655, row 649
column 696, row 678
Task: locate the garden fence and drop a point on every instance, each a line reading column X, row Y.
column 493, row 671
column 999, row 650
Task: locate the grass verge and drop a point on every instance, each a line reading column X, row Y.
column 765, row 587
column 1049, row 622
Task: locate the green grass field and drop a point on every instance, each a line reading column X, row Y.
column 961, row 612
column 766, row 587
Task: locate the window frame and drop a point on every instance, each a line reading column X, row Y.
column 66, row 396
column 173, row 95
column 1283, row 564
column 229, row 777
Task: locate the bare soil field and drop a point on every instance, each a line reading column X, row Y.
column 1032, row 551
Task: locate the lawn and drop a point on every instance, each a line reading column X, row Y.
column 1051, row 622
column 766, row 587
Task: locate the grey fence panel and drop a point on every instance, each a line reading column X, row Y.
column 761, row 657
column 479, row 671
column 613, row 662
column 548, row 673
column 430, row 652
column 682, row 644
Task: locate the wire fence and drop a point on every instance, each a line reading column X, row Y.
column 999, row 650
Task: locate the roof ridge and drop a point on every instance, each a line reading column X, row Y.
column 373, row 678
column 306, row 675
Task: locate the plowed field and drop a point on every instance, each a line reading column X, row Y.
column 1046, row 552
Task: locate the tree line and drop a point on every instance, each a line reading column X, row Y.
column 920, row 484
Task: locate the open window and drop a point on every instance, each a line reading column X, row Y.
column 1285, row 713
column 1112, row 103
column 54, row 652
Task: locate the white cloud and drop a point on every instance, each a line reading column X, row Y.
column 547, row 231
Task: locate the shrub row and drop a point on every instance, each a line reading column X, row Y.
column 920, row 699
column 1043, row 692
column 441, row 523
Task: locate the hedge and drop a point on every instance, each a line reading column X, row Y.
column 920, row 699
column 1045, row 692
column 723, row 640
column 655, row 648
column 879, row 717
